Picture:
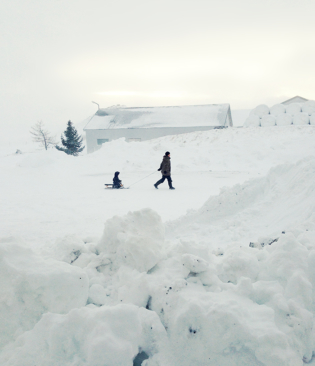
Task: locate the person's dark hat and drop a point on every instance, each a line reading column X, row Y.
column 167, row 153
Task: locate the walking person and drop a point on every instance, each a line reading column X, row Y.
column 165, row 169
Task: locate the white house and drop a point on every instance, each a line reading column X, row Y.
column 145, row 123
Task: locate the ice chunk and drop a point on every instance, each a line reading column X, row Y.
column 268, row 120
column 194, row 263
column 136, row 239
column 277, row 109
column 90, row 336
column 301, row 119
column 97, row 295
column 68, row 249
column 236, row 264
column 31, row 286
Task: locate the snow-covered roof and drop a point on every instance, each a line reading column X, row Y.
column 154, row 117
column 296, row 99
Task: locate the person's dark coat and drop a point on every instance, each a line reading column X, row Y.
column 116, row 181
column 165, row 166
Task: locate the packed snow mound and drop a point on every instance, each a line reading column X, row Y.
column 284, row 119
column 111, row 336
column 136, row 240
column 194, row 264
column 31, row 286
column 260, row 110
column 301, row 119
column 293, row 109
column 263, row 199
column 229, row 284
column 252, row 121
column 229, row 328
column 268, row 120
column 208, row 297
column 277, row 109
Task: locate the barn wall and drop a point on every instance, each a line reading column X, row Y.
column 135, row 133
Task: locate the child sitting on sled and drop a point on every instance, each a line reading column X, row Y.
column 116, row 181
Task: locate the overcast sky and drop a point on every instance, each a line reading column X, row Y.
column 59, row 55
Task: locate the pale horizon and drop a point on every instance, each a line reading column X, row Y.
column 58, row 57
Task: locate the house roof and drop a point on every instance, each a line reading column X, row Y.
column 155, row 117
column 296, row 99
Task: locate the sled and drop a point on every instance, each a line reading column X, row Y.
column 110, row 186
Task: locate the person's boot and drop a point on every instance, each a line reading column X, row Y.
column 172, row 188
column 156, row 186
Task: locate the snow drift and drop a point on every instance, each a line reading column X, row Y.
column 230, row 284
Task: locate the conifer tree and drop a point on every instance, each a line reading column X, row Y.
column 72, row 142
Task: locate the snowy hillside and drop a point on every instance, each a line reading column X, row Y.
column 218, row 272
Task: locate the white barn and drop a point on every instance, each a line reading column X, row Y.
column 296, row 99
column 145, row 123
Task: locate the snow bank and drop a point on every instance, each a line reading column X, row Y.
column 31, row 286
column 207, row 297
column 312, row 119
column 112, row 336
column 268, row 120
column 269, row 194
column 228, row 284
column 260, row 110
column 274, row 283
column 227, row 328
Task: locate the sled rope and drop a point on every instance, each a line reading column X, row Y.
column 141, row 179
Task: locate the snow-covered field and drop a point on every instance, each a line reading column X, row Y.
column 98, row 277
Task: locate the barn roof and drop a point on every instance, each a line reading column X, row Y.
column 296, row 99
column 154, row 117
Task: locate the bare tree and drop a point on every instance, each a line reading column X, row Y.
column 42, row 136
